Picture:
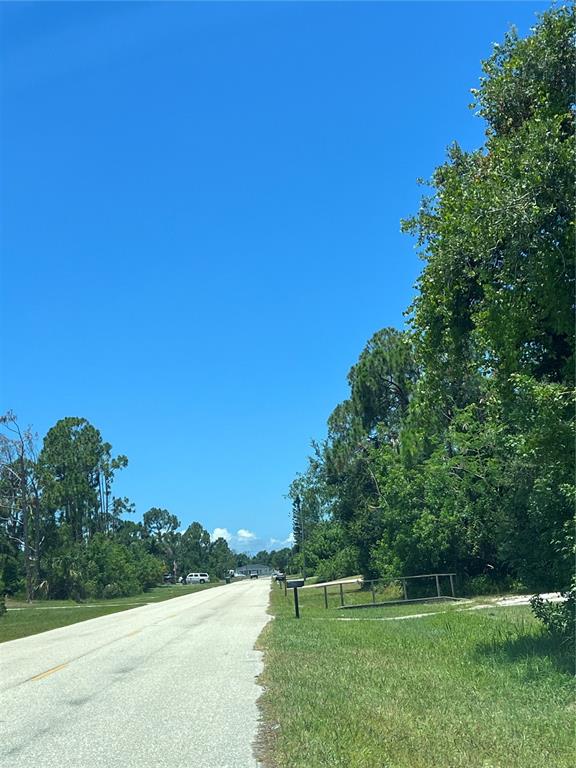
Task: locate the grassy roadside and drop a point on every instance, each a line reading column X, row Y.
column 460, row 689
column 23, row 619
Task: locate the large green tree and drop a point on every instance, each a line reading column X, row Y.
column 493, row 319
column 455, row 448
column 76, row 471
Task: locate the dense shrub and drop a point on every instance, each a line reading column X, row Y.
column 149, row 569
column 116, row 570
column 558, row 618
column 486, row 584
column 343, row 563
column 64, row 574
column 102, row 567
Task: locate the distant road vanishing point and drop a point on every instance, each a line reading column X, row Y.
column 172, row 684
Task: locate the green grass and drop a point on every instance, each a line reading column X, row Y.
column 41, row 616
column 462, row 689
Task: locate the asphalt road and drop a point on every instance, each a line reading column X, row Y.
column 169, row 684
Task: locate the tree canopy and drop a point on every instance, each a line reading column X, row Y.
column 455, row 448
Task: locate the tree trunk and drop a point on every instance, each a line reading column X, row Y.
column 26, row 527
column 36, row 538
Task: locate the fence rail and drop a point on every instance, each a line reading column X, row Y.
column 394, row 590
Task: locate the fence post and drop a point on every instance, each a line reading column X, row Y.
column 296, row 606
column 373, row 592
column 438, row 585
column 325, row 597
column 404, row 589
column 452, row 585
column 341, row 595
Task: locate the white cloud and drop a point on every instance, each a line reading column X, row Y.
column 287, row 542
column 221, row 533
column 247, row 541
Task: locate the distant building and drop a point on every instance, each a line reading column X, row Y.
column 261, row 570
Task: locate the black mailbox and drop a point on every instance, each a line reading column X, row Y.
column 295, row 583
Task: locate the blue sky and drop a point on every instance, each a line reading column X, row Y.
column 200, row 223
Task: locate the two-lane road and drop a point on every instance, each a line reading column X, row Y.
column 169, row 684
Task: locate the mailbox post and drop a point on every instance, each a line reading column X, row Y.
column 295, row 584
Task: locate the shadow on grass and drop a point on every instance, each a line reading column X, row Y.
column 526, row 647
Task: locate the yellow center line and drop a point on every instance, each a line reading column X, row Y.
column 49, row 672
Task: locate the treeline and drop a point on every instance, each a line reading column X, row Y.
column 280, row 559
column 455, row 448
column 63, row 534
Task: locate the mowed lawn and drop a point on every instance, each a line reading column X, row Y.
column 23, row 619
column 461, row 689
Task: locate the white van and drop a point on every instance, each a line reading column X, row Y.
column 197, row 578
